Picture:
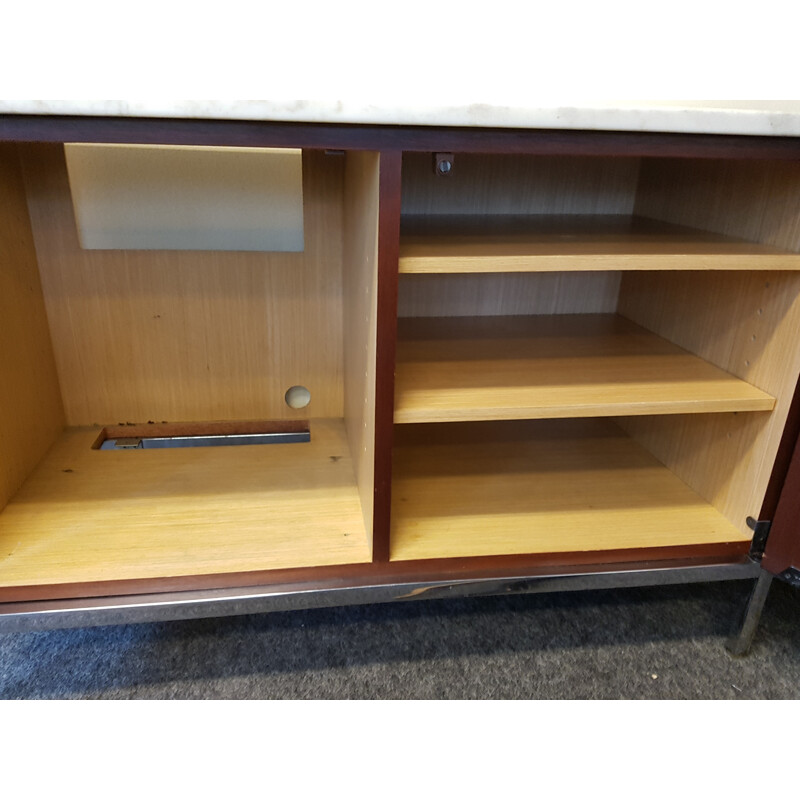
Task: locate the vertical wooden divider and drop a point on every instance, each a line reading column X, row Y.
column 388, row 256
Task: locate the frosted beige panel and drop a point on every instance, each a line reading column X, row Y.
column 155, row 197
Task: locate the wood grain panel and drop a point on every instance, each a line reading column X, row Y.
column 516, row 293
column 759, row 201
column 99, row 515
column 486, row 185
column 468, row 489
column 459, row 369
column 749, row 325
column 360, row 295
column 168, row 335
column 466, row 244
column 31, row 414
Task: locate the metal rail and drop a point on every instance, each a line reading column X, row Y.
column 180, row 605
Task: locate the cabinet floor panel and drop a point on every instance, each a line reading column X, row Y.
column 570, row 365
column 96, row 515
column 546, row 243
column 492, row 488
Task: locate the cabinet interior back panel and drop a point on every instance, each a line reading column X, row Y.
column 171, row 335
column 520, row 184
column 489, row 295
column 754, row 200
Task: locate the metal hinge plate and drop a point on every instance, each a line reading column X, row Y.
column 791, row 576
column 760, row 528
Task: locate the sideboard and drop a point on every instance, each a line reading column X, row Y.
column 500, row 360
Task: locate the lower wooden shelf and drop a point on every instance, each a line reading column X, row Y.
column 543, row 486
column 91, row 515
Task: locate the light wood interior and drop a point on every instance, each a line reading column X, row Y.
column 89, row 515
column 132, row 336
column 362, row 172
column 148, row 337
column 702, row 253
column 496, row 488
column 460, row 368
column 748, row 324
column 170, row 335
column 31, row 413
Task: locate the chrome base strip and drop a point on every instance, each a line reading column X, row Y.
column 168, row 606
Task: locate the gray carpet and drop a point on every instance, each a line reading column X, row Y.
column 605, row 644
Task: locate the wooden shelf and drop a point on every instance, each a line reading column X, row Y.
column 92, row 515
column 538, row 487
column 570, row 365
column 544, row 243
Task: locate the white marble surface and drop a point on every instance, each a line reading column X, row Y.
column 770, row 118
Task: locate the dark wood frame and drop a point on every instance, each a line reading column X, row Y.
column 129, row 130
column 782, row 500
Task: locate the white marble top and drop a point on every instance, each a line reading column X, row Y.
column 765, row 118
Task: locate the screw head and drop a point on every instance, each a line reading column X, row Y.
column 444, row 167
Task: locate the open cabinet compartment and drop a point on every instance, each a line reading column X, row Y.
column 594, row 354
column 102, row 337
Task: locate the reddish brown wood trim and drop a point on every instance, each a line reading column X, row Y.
column 388, row 258
column 783, row 544
column 783, row 459
column 395, row 571
column 389, row 137
column 782, row 499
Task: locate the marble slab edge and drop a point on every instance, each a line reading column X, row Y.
column 755, row 118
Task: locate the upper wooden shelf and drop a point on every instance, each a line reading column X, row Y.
column 459, row 244
column 570, row 365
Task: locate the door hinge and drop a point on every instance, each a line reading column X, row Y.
column 791, row 576
column 760, row 528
